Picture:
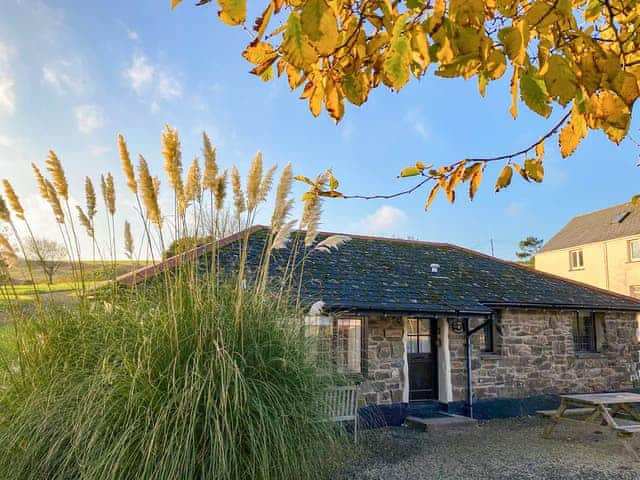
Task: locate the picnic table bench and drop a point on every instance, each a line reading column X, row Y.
column 606, row 409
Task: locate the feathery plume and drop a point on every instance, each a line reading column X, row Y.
column 266, row 183
column 40, row 180
column 253, row 182
column 238, row 196
column 108, row 193
column 127, row 166
column 282, row 237
column 6, row 249
column 128, row 241
column 14, row 201
column 85, row 222
column 156, row 184
column 90, row 195
column 210, row 166
column 193, row 189
column 332, row 242
column 283, row 204
column 54, row 201
column 5, row 215
column 312, row 223
column 220, row 190
column 172, row 159
column 149, row 189
column 59, row 181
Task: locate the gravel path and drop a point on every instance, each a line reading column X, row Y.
column 499, row 449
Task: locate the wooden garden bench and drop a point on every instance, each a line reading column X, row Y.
column 340, row 404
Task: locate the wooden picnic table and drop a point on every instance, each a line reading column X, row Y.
column 606, row 409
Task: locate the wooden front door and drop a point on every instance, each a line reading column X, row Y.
column 421, row 357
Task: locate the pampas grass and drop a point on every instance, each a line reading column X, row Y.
column 127, row 166
column 198, row 373
column 13, row 199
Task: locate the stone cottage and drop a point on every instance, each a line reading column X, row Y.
column 421, row 323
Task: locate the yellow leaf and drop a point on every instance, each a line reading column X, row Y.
column 514, row 93
column 293, row 76
column 540, row 150
column 333, row 181
column 432, row 196
column 476, row 180
column 626, row 86
column 410, row 172
column 496, row 64
column 396, row 64
column 534, row 169
column 520, row 171
column 298, row 51
column 333, row 101
column 233, row 12
column 259, row 52
column 504, row 179
column 175, row 3
column 356, row 88
column 572, row 133
column 560, row 79
column 317, row 95
column 608, row 112
column 262, row 22
column 320, row 25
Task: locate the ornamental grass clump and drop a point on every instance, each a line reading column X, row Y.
column 196, row 374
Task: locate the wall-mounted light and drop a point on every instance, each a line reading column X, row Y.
column 456, row 324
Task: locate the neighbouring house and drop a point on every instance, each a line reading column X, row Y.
column 420, row 322
column 601, row 248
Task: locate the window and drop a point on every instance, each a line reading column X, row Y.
column 418, row 335
column 634, row 250
column 487, row 344
column 339, row 340
column 576, row 260
column 584, row 332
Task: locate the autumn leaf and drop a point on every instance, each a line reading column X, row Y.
column 299, row 51
column 320, row 25
column 572, row 133
column 534, row 93
column 233, row 12
column 534, row 169
column 432, row 196
column 409, row 172
column 175, row 3
column 504, row 179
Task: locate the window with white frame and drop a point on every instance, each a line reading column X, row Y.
column 576, row 259
column 339, row 340
column 634, row 250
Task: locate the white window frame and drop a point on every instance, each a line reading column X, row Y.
column 576, row 254
column 631, row 257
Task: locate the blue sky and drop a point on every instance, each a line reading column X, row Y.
column 74, row 74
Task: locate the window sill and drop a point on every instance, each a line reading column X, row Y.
column 490, row 355
column 589, row 355
column 576, row 269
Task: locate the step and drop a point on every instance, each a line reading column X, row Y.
column 444, row 421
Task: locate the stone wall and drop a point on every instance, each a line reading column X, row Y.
column 384, row 377
column 535, row 355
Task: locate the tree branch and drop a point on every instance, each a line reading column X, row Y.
column 427, row 178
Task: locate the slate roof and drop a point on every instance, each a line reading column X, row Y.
column 391, row 275
column 596, row 227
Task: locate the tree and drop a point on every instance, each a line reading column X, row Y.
column 50, row 255
column 580, row 55
column 528, row 248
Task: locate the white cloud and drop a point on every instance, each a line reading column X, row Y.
column 133, row 35
column 89, row 117
column 7, row 81
column 417, row 123
column 139, row 74
column 65, row 76
column 152, row 82
column 387, row 220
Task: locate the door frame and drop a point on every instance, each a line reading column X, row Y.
column 433, row 332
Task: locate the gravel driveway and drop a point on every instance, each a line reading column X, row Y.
column 498, row 449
